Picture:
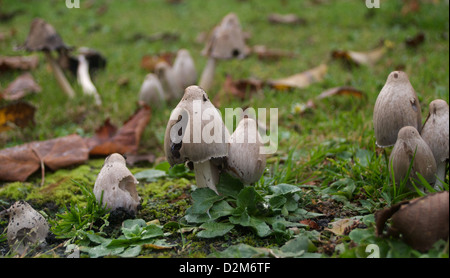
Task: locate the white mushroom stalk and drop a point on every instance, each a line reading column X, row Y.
column 84, row 79
column 59, row 75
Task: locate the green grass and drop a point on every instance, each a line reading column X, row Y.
column 328, row 151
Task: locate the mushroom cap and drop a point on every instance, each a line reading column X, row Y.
column 184, row 68
column 435, row 130
column 43, row 37
column 151, row 91
column 117, row 184
column 169, row 80
column 195, row 131
column 245, row 160
column 26, row 227
column 409, row 142
column 396, row 106
column 227, row 40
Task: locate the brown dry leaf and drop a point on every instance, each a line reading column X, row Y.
column 18, row 114
column 343, row 90
column 339, row 227
column 19, row 62
column 290, row 19
column 416, row 40
column 148, row 62
column 311, row 223
column 265, row 53
column 132, row 159
column 368, row 58
column 300, row 80
column 20, row 87
column 242, row 88
column 108, row 139
column 19, row 162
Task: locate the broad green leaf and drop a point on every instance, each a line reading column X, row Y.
column 214, row 229
column 229, row 186
column 219, row 209
column 152, row 231
column 250, row 199
column 150, row 175
column 282, row 189
column 261, row 228
column 204, row 199
column 130, row 252
column 102, row 250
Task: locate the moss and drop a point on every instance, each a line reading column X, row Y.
column 16, row 190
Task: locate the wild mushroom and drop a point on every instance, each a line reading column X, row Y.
column 226, row 42
column 196, row 134
column 26, row 228
column 84, row 78
column 410, row 145
column 435, row 132
column 116, row 185
column 169, row 80
column 184, row 68
column 245, row 160
column 396, row 106
column 151, row 92
column 43, row 37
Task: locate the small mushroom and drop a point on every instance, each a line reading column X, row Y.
column 169, row 81
column 196, row 133
column 245, row 161
column 396, row 106
column 409, row 144
column 117, row 184
column 435, row 132
column 227, row 41
column 420, row 222
column 151, row 92
column 43, row 37
column 84, row 79
column 184, row 68
column 27, row 227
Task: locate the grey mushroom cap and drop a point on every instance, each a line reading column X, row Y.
column 117, row 184
column 186, row 136
column 245, row 160
column 26, row 227
column 43, row 37
column 396, row 106
column 184, row 67
column 151, row 91
column 435, row 131
column 227, row 40
column 410, row 145
column 169, row 80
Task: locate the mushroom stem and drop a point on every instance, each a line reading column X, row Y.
column 207, row 78
column 85, row 80
column 59, row 75
column 440, row 175
column 206, row 175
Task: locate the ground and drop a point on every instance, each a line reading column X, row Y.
column 327, row 151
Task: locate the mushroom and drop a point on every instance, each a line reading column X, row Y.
column 27, row 227
column 245, row 161
column 43, row 37
column 226, row 42
column 84, row 78
column 435, row 132
column 409, row 144
column 169, row 80
column 184, row 68
column 116, row 185
column 196, row 134
column 151, row 92
column 396, row 106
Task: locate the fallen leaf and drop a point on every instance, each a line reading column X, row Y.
column 19, row 62
column 416, row 40
column 20, row 87
column 19, row 114
column 108, row 139
column 18, row 163
column 132, row 159
column 313, row 225
column 343, row 90
column 339, row 227
column 265, row 53
column 290, row 19
column 368, row 58
column 300, row 80
column 148, row 62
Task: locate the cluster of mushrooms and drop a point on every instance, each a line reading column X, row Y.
column 397, row 121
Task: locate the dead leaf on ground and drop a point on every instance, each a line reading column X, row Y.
column 241, row 89
column 265, row 53
column 148, row 62
column 108, row 139
column 368, row 58
column 19, row 162
column 343, row 90
column 132, row 159
column 420, row 222
column 340, row 227
column 290, row 19
column 20, row 87
column 311, row 224
column 415, row 41
column 19, row 114
column 300, row 80
column 19, row 62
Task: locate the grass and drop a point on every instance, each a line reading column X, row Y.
column 328, row 151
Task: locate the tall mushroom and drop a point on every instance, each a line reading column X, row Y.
column 245, row 160
column 410, row 145
column 435, row 132
column 396, row 106
column 184, row 68
column 26, row 227
column 151, row 92
column 226, row 42
column 196, row 133
column 43, row 37
column 117, row 185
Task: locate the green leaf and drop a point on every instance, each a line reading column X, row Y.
column 248, row 198
column 214, row 229
column 204, row 199
column 130, row 252
column 283, row 189
column 229, row 186
column 150, row 175
column 244, row 219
